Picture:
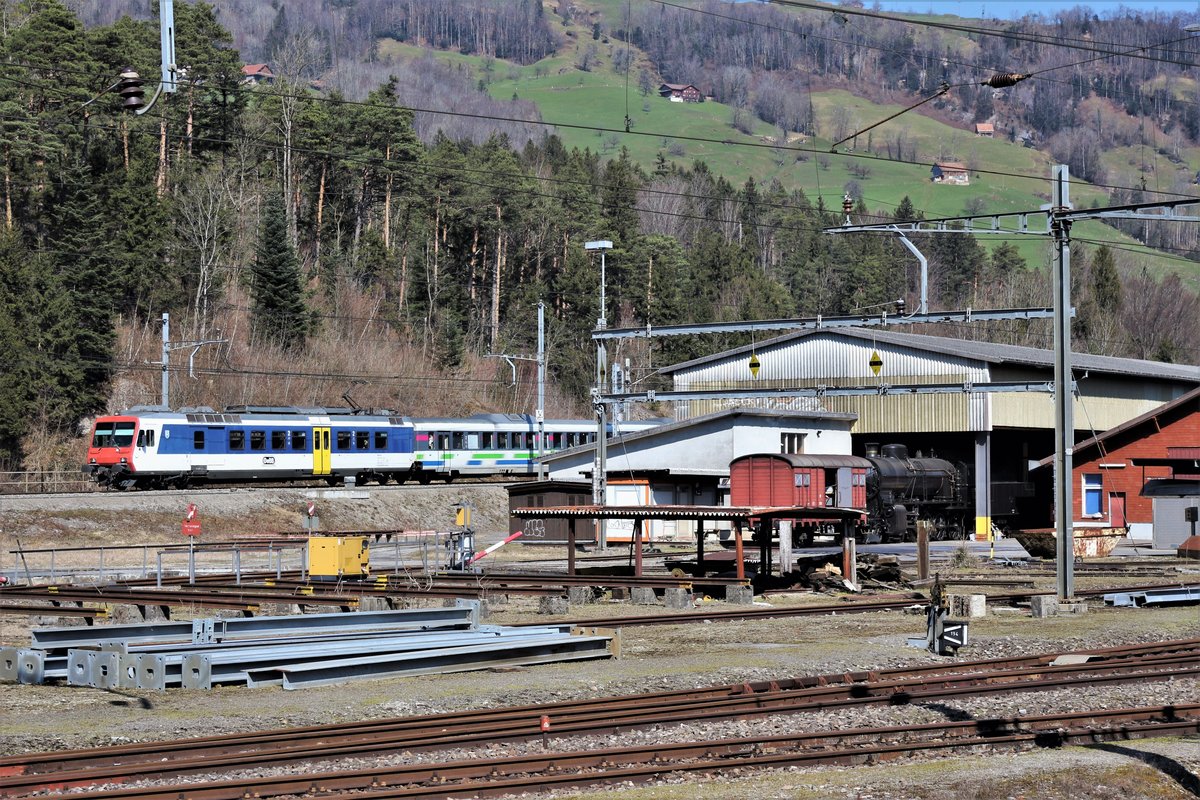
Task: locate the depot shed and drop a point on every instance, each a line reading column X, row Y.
column 702, row 447
column 1001, row 434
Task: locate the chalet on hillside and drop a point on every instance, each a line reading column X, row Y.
column 681, row 93
column 254, row 74
column 950, row 172
column 985, row 129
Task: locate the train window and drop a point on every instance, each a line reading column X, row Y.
column 460, row 440
column 343, row 440
column 258, row 440
column 362, row 440
column 791, row 443
column 381, row 440
column 103, row 435
column 145, row 439
column 1092, row 492
column 432, row 441
column 803, row 479
column 502, row 440
column 299, row 440
column 443, row 441
column 198, row 440
column 278, row 440
column 487, row 440
column 237, row 440
column 472, row 441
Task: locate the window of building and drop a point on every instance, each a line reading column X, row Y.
column 258, row 440
column 343, row 440
column 198, row 440
column 791, row 443
column 299, row 440
column 237, row 440
column 1092, row 495
column 381, row 440
column 278, row 440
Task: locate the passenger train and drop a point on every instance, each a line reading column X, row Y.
column 149, row 448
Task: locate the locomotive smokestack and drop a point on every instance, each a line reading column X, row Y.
column 872, row 449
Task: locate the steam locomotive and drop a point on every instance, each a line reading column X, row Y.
column 877, row 498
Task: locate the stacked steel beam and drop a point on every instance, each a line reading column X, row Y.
column 292, row 651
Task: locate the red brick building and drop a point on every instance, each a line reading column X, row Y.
column 1107, row 482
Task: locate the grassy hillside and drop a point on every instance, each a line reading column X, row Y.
column 590, row 106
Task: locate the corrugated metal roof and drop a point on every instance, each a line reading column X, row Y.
column 1165, row 408
column 680, row 512
column 659, row 430
column 797, row 460
column 989, row 352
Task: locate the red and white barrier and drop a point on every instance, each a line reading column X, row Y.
column 488, row 551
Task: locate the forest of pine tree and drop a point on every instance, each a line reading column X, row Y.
column 330, row 242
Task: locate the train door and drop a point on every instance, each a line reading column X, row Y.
column 321, row 451
column 445, row 443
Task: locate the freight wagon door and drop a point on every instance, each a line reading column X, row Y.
column 321, row 450
column 845, row 488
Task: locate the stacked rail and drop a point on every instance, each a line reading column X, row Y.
column 292, row 651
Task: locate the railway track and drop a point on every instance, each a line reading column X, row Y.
column 544, row 772
column 29, row 773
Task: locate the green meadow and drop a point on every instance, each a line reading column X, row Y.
column 589, row 109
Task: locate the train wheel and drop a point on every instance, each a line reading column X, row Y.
column 399, row 478
column 424, row 478
column 450, row 477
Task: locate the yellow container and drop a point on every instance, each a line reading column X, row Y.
column 338, row 557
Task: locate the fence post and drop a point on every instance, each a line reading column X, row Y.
column 158, row 577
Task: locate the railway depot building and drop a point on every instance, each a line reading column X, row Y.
column 996, row 437
column 683, row 463
column 1111, row 470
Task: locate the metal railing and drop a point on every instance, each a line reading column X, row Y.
column 46, row 481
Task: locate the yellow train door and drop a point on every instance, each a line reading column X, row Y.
column 321, row 451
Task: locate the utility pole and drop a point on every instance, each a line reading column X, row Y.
column 539, row 414
column 600, row 464
column 167, row 347
column 541, row 389
column 1064, row 426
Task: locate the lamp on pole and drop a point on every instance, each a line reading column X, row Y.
column 599, row 465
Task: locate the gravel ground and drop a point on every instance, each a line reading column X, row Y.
column 655, row 658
